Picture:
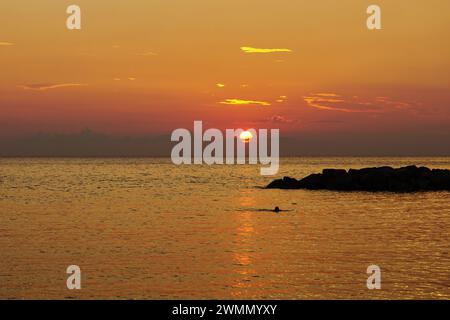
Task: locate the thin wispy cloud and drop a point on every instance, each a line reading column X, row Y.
column 47, row 86
column 281, row 99
column 333, row 102
column 393, row 103
column 6, row 44
column 326, row 94
column 354, row 104
column 281, row 119
column 265, row 50
column 244, row 102
column 128, row 78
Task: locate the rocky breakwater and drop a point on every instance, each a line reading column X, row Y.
column 405, row 179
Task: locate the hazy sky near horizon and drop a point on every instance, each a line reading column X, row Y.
column 148, row 67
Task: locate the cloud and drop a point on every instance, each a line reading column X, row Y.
column 393, row 103
column 244, row 102
column 6, row 44
column 48, row 86
column 281, row 99
column 281, row 119
column 326, row 101
column 261, row 50
column 129, row 78
column 220, row 85
column 327, row 95
column 354, row 104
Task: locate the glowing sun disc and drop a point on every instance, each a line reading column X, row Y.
column 245, row 136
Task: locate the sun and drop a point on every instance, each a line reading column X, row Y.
column 245, row 136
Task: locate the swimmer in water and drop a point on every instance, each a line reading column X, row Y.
column 276, row 210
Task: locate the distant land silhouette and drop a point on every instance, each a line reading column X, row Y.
column 89, row 143
column 85, row 144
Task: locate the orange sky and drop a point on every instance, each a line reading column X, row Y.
column 149, row 67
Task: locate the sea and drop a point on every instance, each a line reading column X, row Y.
column 144, row 228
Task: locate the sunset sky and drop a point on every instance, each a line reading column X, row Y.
column 310, row 68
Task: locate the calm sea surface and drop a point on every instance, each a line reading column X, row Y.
column 145, row 228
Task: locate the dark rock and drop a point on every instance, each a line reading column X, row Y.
column 405, row 179
column 285, row 183
column 313, row 181
column 334, row 172
column 440, row 179
column 336, row 179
